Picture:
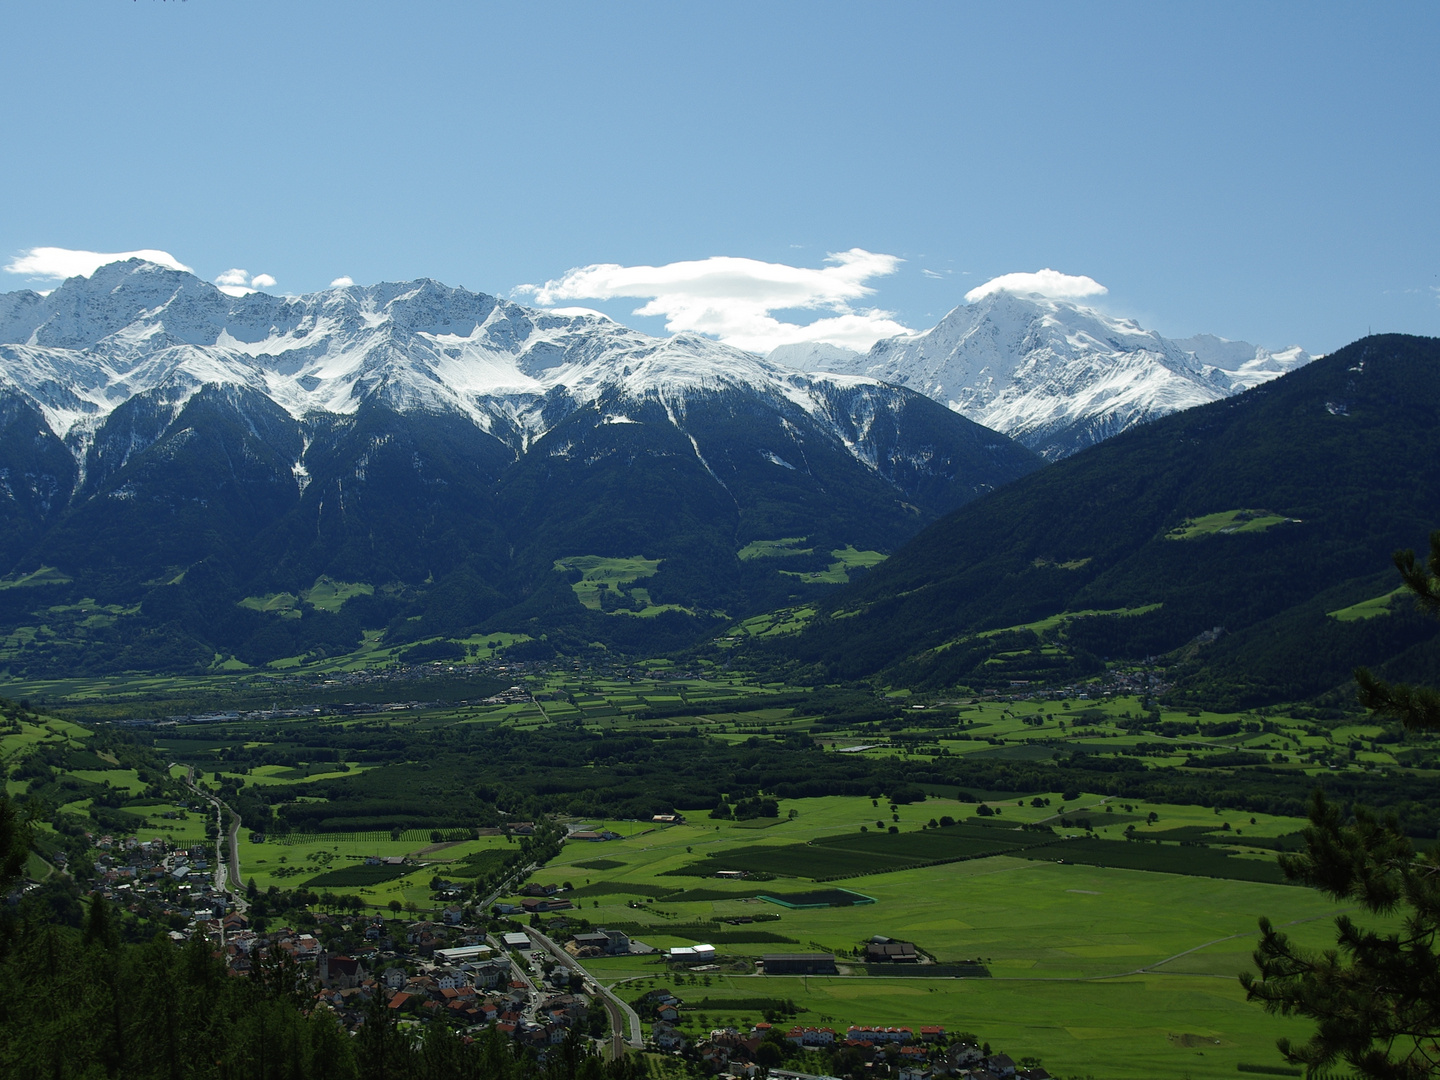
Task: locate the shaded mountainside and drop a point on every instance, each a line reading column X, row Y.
column 187, row 524
column 1258, row 514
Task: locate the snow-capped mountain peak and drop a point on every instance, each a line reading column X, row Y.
column 1057, row 375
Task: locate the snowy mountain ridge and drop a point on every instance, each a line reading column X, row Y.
column 136, row 327
column 1054, row 374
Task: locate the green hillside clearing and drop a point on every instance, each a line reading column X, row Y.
column 599, row 573
column 1368, row 609
column 838, row 572
column 1227, row 522
column 46, row 575
column 773, row 549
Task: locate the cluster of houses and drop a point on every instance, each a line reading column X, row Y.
column 427, row 972
column 910, row 1054
column 664, row 1010
column 535, row 900
column 155, row 877
column 920, row 1053
column 541, row 1018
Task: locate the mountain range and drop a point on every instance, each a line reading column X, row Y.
column 175, row 462
column 191, row 480
column 1054, row 375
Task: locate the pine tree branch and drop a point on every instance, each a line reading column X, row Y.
column 1423, row 581
column 1375, row 999
column 1417, row 707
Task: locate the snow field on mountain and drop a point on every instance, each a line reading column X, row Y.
column 1054, row 374
column 136, row 328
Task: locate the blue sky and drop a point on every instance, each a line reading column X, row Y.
column 1260, row 171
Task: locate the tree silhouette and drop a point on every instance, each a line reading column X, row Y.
column 100, row 923
column 1375, row 998
column 1418, row 707
column 14, row 844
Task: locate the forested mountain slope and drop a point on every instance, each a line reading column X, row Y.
column 1257, row 516
column 189, row 478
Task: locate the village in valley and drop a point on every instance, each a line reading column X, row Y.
column 773, row 930
column 473, row 969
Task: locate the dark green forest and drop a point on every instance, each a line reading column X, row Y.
column 142, row 566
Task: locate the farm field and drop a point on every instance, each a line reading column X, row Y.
column 1226, row 521
column 294, row 861
column 180, row 831
column 1079, row 935
column 948, row 900
column 1135, row 1028
column 265, row 775
column 1022, row 730
column 608, row 584
column 47, row 729
column 656, row 698
column 1079, row 955
column 838, row 572
column 773, row 549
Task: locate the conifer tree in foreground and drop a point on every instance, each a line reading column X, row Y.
column 1375, row 997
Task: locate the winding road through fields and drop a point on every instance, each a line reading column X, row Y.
column 227, row 865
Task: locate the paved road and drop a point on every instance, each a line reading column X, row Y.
column 239, row 888
column 226, row 869
column 520, row 972
column 222, row 864
column 621, row 1014
column 504, row 887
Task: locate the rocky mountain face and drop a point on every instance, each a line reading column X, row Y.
column 167, row 451
column 1055, row 375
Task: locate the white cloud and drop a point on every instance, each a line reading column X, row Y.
column 571, row 312
column 59, row 263
column 1049, row 283
column 233, row 282
column 344, row 281
column 732, row 298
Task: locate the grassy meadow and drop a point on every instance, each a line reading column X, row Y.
column 1115, row 972
column 295, row 861
column 1133, row 1028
